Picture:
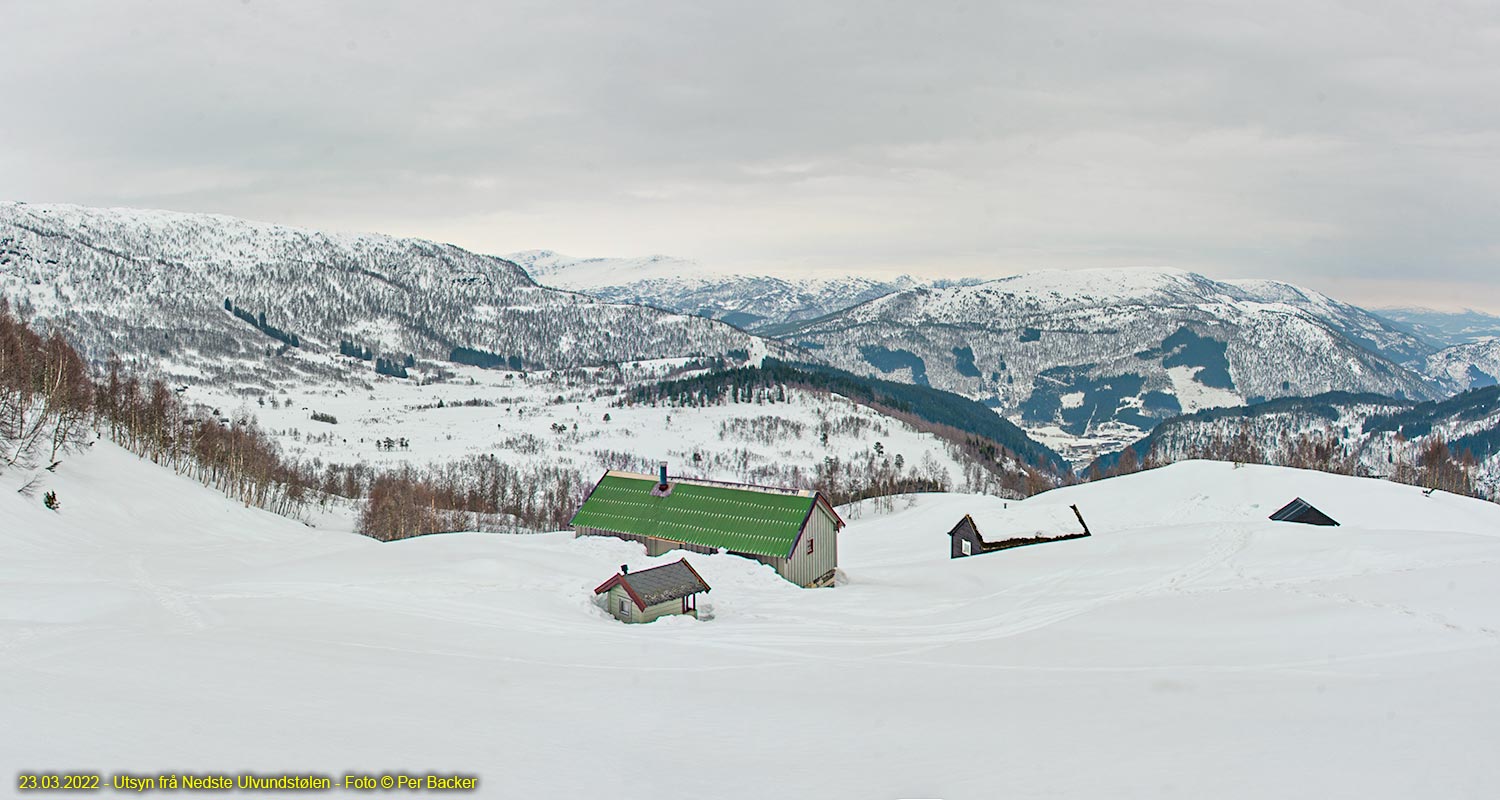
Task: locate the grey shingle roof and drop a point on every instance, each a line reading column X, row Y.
column 660, row 584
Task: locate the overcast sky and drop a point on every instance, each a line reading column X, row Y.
column 1352, row 147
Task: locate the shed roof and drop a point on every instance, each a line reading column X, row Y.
column 1013, row 519
column 742, row 519
column 1300, row 510
column 658, row 584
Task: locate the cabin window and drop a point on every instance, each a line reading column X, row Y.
column 809, row 545
column 624, row 607
column 964, row 546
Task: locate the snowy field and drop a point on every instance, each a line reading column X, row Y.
column 1190, row 649
column 570, row 419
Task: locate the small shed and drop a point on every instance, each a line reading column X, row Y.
column 1014, row 525
column 651, row 593
column 1300, row 510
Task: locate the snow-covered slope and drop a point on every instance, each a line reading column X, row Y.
column 1363, row 327
column 1467, row 366
column 1190, row 648
column 154, row 284
column 1445, row 328
column 1362, row 434
column 583, row 274
column 573, row 421
column 1090, row 358
column 753, row 302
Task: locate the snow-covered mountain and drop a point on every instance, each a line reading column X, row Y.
column 1089, row 358
column 1444, row 328
column 1467, row 366
column 1371, row 330
column 159, row 284
column 1362, row 434
column 1152, row 659
column 753, row 302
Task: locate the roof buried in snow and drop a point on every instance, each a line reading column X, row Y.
column 1300, row 510
column 741, row 519
column 658, row 584
column 1017, row 520
column 1001, row 525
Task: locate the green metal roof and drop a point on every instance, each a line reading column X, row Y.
column 739, row 520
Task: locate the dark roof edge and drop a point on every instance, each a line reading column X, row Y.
column 587, row 497
column 684, row 562
column 619, row 580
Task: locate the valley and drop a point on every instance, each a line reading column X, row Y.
column 748, row 401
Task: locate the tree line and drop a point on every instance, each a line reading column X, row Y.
column 52, row 403
column 46, row 396
column 258, row 321
column 475, row 357
column 935, row 408
column 1430, row 461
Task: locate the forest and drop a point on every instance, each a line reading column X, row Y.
column 929, row 405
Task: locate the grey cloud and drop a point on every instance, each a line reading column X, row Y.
column 1331, row 143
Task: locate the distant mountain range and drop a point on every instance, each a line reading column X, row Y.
column 206, row 295
column 1090, row 358
column 1085, row 361
column 756, row 303
column 1444, row 328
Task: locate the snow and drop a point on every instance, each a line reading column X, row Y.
column 1052, row 334
column 999, row 519
column 1194, row 396
column 1190, row 648
column 566, row 272
column 511, row 415
column 1470, row 365
column 144, row 284
column 758, row 300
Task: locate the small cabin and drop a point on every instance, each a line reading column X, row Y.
column 795, row 531
column 1014, row 524
column 652, row 593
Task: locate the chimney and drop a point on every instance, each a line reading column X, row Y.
column 662, row 474
column 624, row 569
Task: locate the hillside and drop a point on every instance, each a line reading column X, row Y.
column 1355, row 434
column 547, row 436
column 1145, row 661
column 1468, row 366
column 155, row 284
column 1444, row 328
column 752, row 302
column 1090, row 359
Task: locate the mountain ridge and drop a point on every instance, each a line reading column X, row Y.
column 755, row 302
column 160, row 283
column 1098, row 355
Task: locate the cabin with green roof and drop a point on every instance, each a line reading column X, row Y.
column 793, row 530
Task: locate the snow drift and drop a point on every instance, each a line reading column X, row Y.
column 1189, row 648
